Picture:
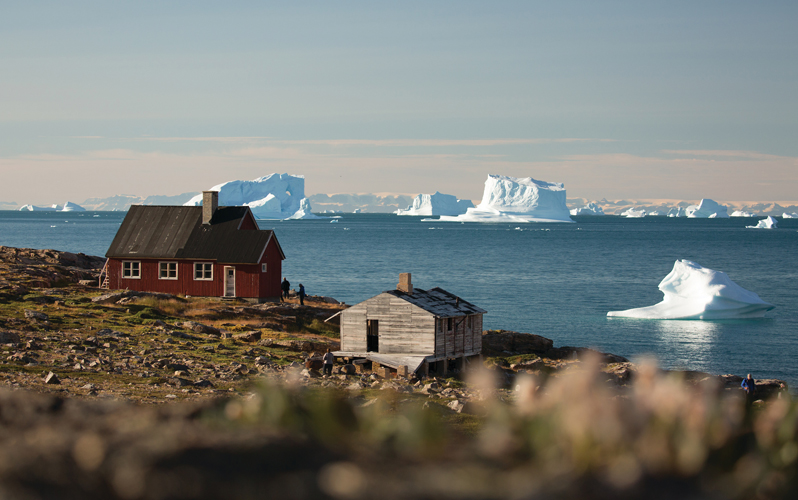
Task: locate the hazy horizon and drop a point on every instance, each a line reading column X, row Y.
column 616, row 99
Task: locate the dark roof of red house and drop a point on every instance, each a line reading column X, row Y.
column 176, row 232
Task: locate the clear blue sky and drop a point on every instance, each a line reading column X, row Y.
column 615, row 99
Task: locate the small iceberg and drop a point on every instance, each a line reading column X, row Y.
column 766, row 223
column 707, row 209
column 634, row 213
column 790, row 215
column 589, row 209
column 436, row 204
column 677, row 212
column 695, row 292
column 743, row 213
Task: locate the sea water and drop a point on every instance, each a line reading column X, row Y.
column 555, row 280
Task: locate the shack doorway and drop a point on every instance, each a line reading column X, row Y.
column 372, row 335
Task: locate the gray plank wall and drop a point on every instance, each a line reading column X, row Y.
column 408, row 329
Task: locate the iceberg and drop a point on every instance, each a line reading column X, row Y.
column 676, row 212
column 517, row 199
column 274, row 196
column 655, row 213
column 790, row 215
column 633, row 213
column 695, row 292
column 706, row 209
column 72, row 207
column 436, row 204
column 589, row 209
column 34, row 208
column 742, row 213
column 766, row 223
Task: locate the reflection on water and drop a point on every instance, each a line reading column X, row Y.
column 691, row 342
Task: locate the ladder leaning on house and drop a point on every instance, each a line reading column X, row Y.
column 104, row 275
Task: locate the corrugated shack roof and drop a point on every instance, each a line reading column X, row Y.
column 438, row 302
column 176, row 232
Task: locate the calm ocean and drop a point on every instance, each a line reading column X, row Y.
column 555, row 280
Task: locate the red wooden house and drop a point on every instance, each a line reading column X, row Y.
column 207, row 251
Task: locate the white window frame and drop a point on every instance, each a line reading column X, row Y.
column 133, row 269
column 263, row 268
column 203, row 266
column 164, row 270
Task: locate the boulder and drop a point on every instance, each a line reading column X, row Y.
column 251, row 336
column 569, row 352
column 503, row 342
column 200, row 328
column 52, row 378
column 36, row 315
column 9, row 338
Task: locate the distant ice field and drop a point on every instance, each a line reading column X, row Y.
column 556, row 280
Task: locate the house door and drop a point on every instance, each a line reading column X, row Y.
column 229, row 281
column 372, row 335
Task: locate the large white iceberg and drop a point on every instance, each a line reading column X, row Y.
column 34, row 208
column 72, row 207
column 517, row 199
column 436, row 204
column 707, row 209
column 634, row 213
column 274, row 196
column 589, row 209
column 743, row 213
column 766, row 223
column 695, row 292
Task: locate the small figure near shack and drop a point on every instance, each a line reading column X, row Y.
column 301, row 294
column 749, row 386
column 285, row 286
column 329, row 361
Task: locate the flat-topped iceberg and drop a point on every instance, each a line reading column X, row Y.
column 633, row 213
column 766, row 223
column 517, row 199
column 695, row 292
column 436, row 204
column 707, row 209
column 742, row 213
column 589, row 209
column 34, row 208
column 274, row 196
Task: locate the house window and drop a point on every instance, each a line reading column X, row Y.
column 449, row 323
column 131, row 269
column 203, row 271
column 167, row 270
column 263, row 268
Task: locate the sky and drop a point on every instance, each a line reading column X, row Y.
column 616, row 99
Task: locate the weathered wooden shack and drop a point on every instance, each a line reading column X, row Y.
column 207, row 251
column 412, row 330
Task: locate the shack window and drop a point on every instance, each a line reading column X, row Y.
column 203, row 271
column 263, row 268
column 372, row 335
column 131, row 269
column 167, row 270
column 449, row 323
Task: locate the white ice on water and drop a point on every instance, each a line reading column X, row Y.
column 706, row 209
column 634, row 213
column 436, row 204
column 589, row 209
column 766, row 223
column 743, row 213
column 692, row 291
column 72, row 207
column 274, row 196
column 790, row 215
column 517, row 199
column 34, row 208
column 677, row 212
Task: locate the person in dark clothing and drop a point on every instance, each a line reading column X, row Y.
column 301, row 294
column 328, row 359
column 284, row 286
column 749, row 386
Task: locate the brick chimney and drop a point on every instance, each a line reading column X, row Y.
column 210, row 202
column 404, row 283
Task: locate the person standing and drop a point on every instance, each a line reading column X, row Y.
column 301, row 294
column 284, row 286
column 328, row 359
column 749, row 386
